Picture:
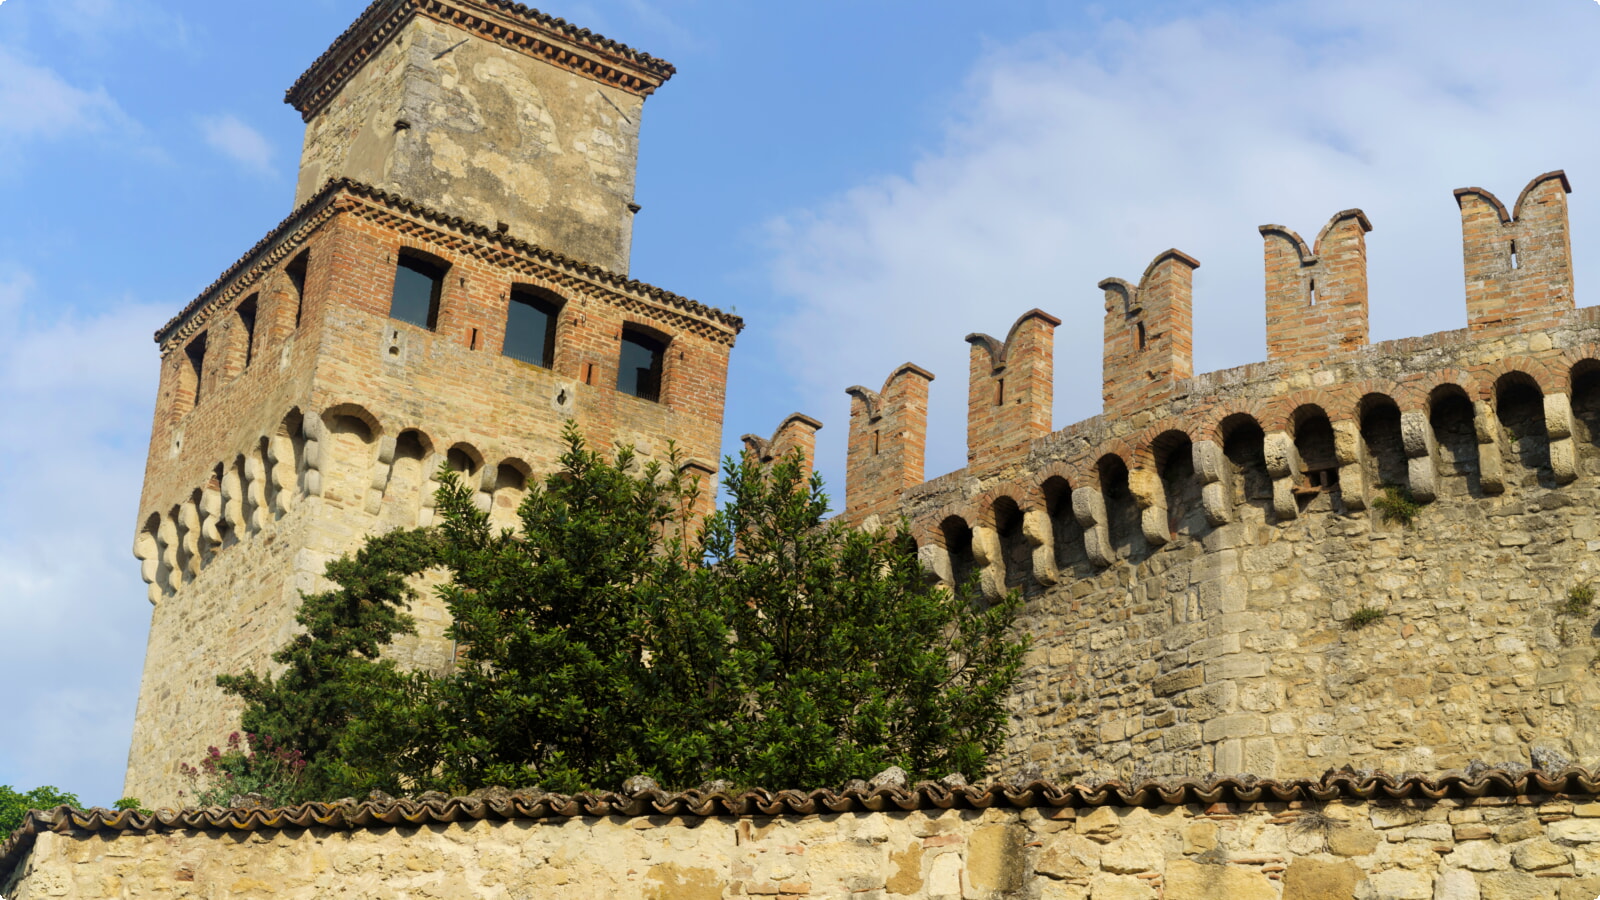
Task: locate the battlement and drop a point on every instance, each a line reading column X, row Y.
column 1518, row 276
column 1192, row 557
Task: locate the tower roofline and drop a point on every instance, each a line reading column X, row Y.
column 505, row 22
column 292, row 231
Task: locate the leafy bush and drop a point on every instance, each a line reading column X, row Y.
column 14, row 805
column 602, row 640
column 1366, row 615
column 132, row 803
column 1396, row 504
column 251, row 764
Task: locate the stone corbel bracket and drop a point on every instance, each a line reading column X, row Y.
column 1151, row 499
column 1283, row 466
column 1040, row 534
column 1422, row 454
column 1216, row 482
column 1491, row 470
column 1351, row 454
column 989, row 556
column 1563, row 450
column 1089, row 508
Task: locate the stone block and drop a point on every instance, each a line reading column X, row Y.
column 1236, row 725
column 1352, row 839
column 1238, row 666
column 1539, row 854
column 1517, row 886
column 1398, row 884
column 1312, row 879
column 995, row 861
column 1181, row 680
column 1184, row 878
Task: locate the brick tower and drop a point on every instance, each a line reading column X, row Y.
column 450, row 289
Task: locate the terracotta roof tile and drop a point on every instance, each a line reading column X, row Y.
column 535, row 804
column 378, row 22
column 319, row 203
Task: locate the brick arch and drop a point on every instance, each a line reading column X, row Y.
column 1489, row 375
column 1574, row 358
column 355, row 411
column 1357, row 393
column 1210, row 427
column 1143, row 455
column 1418, row 391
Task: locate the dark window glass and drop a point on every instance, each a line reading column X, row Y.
column 531, row 329
column 247, row 320
column 196, row 351
column 416, row 292
column 639, row 371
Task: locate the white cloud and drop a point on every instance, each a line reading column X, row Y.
column 77, row 391
column 1075, row 157
column 231, row 137
column 35, row 102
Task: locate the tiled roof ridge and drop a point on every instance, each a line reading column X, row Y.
column 372, row 24
column 306, row 210
column 532, row 803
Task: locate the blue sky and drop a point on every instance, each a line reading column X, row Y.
column 865, row 183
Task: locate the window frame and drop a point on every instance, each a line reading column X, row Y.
column 428, row 266
column 644, row 336
column 542, row 300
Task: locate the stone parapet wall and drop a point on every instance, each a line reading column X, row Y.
column 1192, row 571
column 1529, row 847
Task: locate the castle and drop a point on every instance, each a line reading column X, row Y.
column 451, row 289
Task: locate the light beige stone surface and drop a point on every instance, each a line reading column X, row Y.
column 1254, row 852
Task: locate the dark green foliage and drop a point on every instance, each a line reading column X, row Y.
column 1578, row 601
column 133, row 803
column 14, row 805
column 1396, row 504
column 1361, row 618
column 596, row 643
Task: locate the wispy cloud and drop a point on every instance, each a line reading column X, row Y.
column 230, row 136
column 37, row 103
column 70, row 487
column 1075, row 157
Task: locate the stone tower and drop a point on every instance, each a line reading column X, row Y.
column 450, row 289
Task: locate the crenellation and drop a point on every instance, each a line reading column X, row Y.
column 797, row 433
column 888, row 441
column 1317, row 297
column 1149, row 334
column 1009, row 394
column 1518, row 263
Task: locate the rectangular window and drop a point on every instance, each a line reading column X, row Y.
column 196, row 351
column 247, row 321
column 639, row 368
column 416, row 292
column 296, row 271
column 531, row 328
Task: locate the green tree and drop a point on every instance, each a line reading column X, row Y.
column 14, row 805
column 596, row 642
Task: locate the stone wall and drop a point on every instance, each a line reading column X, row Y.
column 1190, row 598
column 1529, row 847
column 462, row 109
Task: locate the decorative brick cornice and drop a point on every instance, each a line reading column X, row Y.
column 509, row 24
column 463, row 236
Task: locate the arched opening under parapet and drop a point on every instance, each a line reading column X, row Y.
column 1380, row 436
column 1014, row 547
column 464, row 460
column 350, row 461
column 1071, row 555
column 1244, row 444
column 1451, row 417
column 958, row 545
column 1173, row 454
column 289, row 443
column 1519, row 405
column 1319, row 461
column 402, row 495
column 510, row 486
column 152, row 565
column 1586, row 413
column 223, row 525
column 1122, row 513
